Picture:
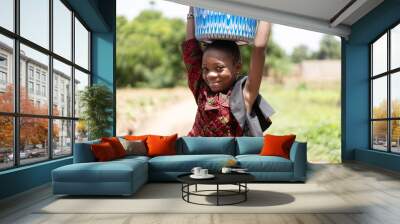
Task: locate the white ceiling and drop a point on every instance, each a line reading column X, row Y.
column 325, row 16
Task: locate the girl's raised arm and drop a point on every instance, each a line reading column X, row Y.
column 192, row 55
column 190, row 25
column 252, row 86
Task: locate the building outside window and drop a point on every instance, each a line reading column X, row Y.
column 3, row 72
column 3, row 78
column 37, row 89
column 43, row 78
column 3, row 81
column 3, row 61
column 30, row 87
column 30, row 72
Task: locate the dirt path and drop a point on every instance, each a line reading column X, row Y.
column 155, row 111
column 172, row 118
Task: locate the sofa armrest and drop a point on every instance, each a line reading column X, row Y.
column 298, row 155
column 83, row 152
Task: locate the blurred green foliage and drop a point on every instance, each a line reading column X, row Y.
column 300, row 53
column 329, row 48
column 148, row 50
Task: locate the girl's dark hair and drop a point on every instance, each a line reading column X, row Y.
column 227, row 46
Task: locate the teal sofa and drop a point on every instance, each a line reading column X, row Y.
column 125, row 176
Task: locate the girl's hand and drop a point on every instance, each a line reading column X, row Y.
column 262, row 36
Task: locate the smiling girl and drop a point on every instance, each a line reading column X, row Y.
column 227, row 104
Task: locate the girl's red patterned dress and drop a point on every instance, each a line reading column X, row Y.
column 213, row 117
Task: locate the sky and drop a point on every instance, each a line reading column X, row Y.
column 283, row 35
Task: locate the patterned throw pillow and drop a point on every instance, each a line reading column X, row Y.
column 134, row 147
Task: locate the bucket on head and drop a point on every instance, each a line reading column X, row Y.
column 214, row 25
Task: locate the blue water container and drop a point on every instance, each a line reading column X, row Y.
column 213, row 25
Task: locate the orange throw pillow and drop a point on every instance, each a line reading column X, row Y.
column 136, row 137
column 103, row 151
column 161, row 145
column 116, row 145
column 277, row 145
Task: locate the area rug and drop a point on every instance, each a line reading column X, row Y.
column 167, row 198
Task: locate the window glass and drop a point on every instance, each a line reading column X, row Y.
column 62, row 91
column 379, row 55
column 6, row 74
column 62, row 138
column 81, row 131
column 395, row 47
column 34, row 21
column 6, row 142
column 81, row 45
column 62, row 29
column 34, row 81
column 395, row 136
column 379, row 97
column 395, row 95
column 81, row 82
column 39, row 62
column 379, row 135
column 7, row 14
column 33, row 140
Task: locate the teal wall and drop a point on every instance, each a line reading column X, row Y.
column 100, row 16
column 103, row 53
column 355, row 85
column 24, row 178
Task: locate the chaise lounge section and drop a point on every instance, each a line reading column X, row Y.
column 125, row 176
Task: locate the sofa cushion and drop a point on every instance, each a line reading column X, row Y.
column 161, row 145
column 103, row 152
column 206, row 145
column 116, row 145
column 185, row 163
column 257, row 163
column 111, row 171
column 83, row 152
column 249, row 145
column 275, row 145
column 134, row 147
column 136, row 137
column 133, row 158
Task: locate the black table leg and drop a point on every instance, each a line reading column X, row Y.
column 196, row 188
column 188, row 190
column 217, row 194
column 182, row 190
column 245, row 193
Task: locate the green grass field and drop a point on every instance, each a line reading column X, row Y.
column 312, row 112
